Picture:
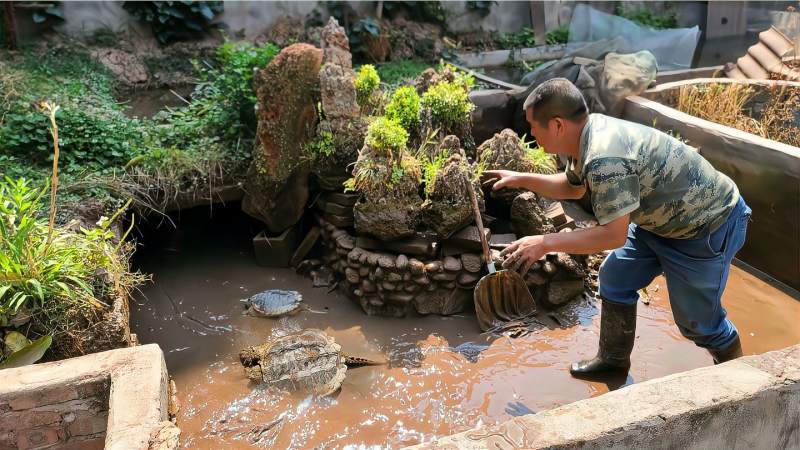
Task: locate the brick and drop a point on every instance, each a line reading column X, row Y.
column 38, row 437
column 88, row 422
column 43, row 396
column 28, row 419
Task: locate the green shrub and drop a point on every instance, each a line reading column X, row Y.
column 525, row 38
column 558, row 35
column 448, row 102
column 91, row 138
column 404, row 107
column 648, row 18
column 367, row 81
column 386, row 135
column 175, row 20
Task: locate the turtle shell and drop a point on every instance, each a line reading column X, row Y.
column 309, row 360
column 275, row 302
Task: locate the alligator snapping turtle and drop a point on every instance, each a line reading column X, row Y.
column 274, row 303
column 308, row 360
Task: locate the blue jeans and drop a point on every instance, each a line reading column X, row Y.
column 696, row 271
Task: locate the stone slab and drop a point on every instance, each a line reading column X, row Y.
column 339, row 221
column 467, row 238
column 341, row 198
column 501, row 241
column 334, row 208
column 420, row 245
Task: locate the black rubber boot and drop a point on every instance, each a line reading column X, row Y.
column 732, row 351
column 617, row 333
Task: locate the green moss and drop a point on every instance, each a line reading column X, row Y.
column 323, row 145
column 404, row 107
column 448, row 102
column 367, row 81
column 386, row 136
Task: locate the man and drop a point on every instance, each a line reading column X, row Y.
column 659, row 204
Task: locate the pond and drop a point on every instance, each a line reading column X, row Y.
column 442, row 375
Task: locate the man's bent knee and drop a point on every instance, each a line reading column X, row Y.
column 616, row 284
column 721, row 337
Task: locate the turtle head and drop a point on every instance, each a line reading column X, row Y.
column 249, row 357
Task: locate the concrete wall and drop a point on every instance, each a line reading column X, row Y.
column 253, row 17
column 749, row 403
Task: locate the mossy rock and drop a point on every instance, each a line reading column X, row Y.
column 338, row 143
column 388, row 218
column 504, row 151
column 448, row 207
column 287, row 89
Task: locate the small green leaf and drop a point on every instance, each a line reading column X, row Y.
column 29, row 354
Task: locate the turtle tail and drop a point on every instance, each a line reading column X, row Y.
column 354, row 361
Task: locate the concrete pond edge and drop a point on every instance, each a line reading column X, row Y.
column 133, row 381
column 751, row 402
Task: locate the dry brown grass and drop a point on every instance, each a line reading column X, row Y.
column 729, row 105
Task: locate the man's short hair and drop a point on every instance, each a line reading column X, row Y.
column 556, row 97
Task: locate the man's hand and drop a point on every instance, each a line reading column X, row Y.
column 523, row 253
column 505, row 178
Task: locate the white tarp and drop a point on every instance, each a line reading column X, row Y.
column 673, row 48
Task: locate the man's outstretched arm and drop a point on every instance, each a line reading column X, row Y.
column 526, row 251
column 555, row 187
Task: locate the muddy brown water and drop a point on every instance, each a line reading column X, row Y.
column 428, row 389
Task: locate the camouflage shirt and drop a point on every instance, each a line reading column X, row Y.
column 665, row 185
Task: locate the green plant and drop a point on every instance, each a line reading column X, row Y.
column 386, row 136
column 396, row 72
column 322, row 145
column 448, row 103
column 558, row 35
column 404, row 107
column 366, row 82
column 542, row 161
column 431, row 167
column 521, row 39
column 175, row 20
column 649, row 18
